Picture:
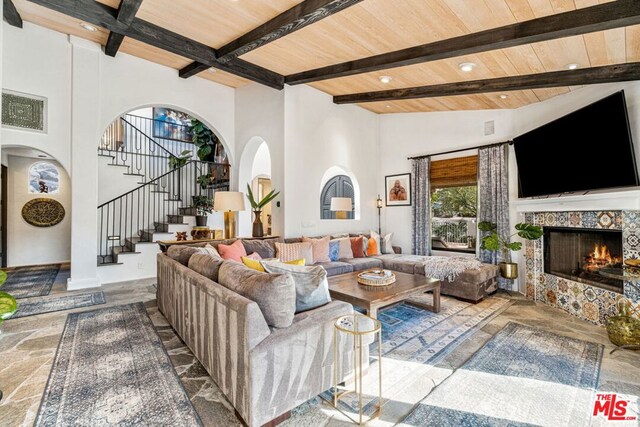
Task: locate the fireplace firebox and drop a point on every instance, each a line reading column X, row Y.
column 591, row 256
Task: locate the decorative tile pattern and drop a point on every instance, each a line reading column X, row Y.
column 24, row 111
column 587, row 302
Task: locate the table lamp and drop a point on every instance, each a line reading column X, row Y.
column 229, row 202
column 341, row 205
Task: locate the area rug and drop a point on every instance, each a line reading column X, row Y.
column 112, row 369
column 27, row 282
column 522, row 376
column 414, row 340
column 42, row 305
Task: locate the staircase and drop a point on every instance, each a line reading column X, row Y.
column 143, row 199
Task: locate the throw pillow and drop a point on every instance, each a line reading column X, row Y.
column 182, row 253
column 357, row 247
column 345, row 248
column 252, row 263
column 312, row 288
column 234, row 251
column 377, row 238
column 294, row 262
column 206, row 264
column 275, row 294
column 372, row 247
column 334, row 250
column 213, row 251
column 264, row 247
column 386, row 245
column 319, row 248
column 292, row 251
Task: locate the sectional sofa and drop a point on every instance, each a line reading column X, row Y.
column 266, row 371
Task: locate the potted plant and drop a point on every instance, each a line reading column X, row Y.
column 624, row 329
column 204, row 139
column 204, row 206
column 176, row 162
column 494, row 242
column 8, row 304
column 205, row 180
column 258, row 230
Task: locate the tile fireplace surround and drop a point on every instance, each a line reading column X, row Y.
column 588, row 302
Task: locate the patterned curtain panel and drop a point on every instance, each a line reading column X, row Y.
column 421, row 208
column 494, row 197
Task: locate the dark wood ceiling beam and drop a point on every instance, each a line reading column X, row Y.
column 620, row 13
column 104, row 16
column 11, row 14
column 579, row 77
column 126, row 13
column 289, row 21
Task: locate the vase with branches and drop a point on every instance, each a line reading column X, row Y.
column 256, row 207
column 494, row 242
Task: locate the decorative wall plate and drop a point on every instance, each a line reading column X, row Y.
column 43, row 212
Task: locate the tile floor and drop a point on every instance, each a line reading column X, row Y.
column 28, row 345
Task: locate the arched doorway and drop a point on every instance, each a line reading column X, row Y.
column 338, row 181
column 30, row 174
column 255, row 170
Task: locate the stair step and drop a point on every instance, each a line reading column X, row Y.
column 123, row 250
column 187, row 211
column 132, row 242
column 148, row 234
column 106, row 155
column 173, row 200
column 107, row 260
column 160, row 191
column 163, row 227
column 120, row 166
column 148, row 183
column 113, row 237
column 132, row 174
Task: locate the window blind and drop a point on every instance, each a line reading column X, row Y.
column 456, row 172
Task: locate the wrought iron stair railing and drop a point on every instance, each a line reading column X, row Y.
column 134, row 216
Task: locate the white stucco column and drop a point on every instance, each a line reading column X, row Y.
column 85, row 112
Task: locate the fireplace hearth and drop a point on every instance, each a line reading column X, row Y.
column 591, row 256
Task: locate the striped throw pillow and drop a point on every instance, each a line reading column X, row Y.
column 293, row 251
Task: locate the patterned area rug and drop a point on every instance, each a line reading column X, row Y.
column 42, row 305
column 27, row 282
column 522, row 376
column 415, row 339
column 112, row 369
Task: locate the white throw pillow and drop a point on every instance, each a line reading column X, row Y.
column 386, row 245
column 345, row 248
column 312, row 287
column 293, row 251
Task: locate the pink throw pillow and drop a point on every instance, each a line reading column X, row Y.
column 234, row 251
column 254, row 255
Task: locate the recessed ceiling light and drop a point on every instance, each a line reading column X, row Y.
column 572, row 66
column 88, row 27
column 212, row 70
column 42, row 156
column 467, row 66
column 503, row 96
column 385, row 79
column 388, row 106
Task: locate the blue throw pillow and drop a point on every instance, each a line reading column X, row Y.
column 334, row 250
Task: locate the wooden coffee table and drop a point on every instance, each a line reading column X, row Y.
column 345, row 287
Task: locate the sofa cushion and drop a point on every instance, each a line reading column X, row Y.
column 319, row 247
column 275, row 294
column 312, row 288
column 182, row 253
column 206, row 264
column 363, row 263
column 233, row 252
column 293, row 251
column 335, row 268
column 265, row 248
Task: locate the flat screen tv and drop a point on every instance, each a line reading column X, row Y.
column 589, row 149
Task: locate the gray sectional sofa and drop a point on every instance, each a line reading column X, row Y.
column 262, row 370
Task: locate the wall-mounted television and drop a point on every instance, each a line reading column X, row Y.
column 589, row 149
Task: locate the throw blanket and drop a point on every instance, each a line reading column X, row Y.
column 448, row 268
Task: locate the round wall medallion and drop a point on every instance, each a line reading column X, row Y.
column 43, row 212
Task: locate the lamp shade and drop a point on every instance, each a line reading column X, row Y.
column 341, row 204
column 224, row 201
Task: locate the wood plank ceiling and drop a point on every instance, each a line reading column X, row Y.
column 372, row 27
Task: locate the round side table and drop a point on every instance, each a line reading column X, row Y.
column 357, row 326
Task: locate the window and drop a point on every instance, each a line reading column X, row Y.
column 454, row 204
column 338, row 186
column 44, row 178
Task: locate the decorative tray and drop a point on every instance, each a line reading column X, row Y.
column 376, row 277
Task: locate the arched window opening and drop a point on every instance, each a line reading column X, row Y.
column 44, row 178
column 339, row 186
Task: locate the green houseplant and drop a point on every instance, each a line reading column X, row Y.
column 180, row 160
column 204, row 206
column 8, row 304
column 495, row 242
column 256, row 206
column 205, row 141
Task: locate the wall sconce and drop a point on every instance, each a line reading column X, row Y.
column 379, row 206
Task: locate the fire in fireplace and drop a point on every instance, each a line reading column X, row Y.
column 591, row 256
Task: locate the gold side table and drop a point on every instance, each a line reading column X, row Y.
column 357, row 325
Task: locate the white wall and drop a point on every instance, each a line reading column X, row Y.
column 406, row 135
column 319, row 135
column 28, row 244
column 262, row 162
column 43, row 62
